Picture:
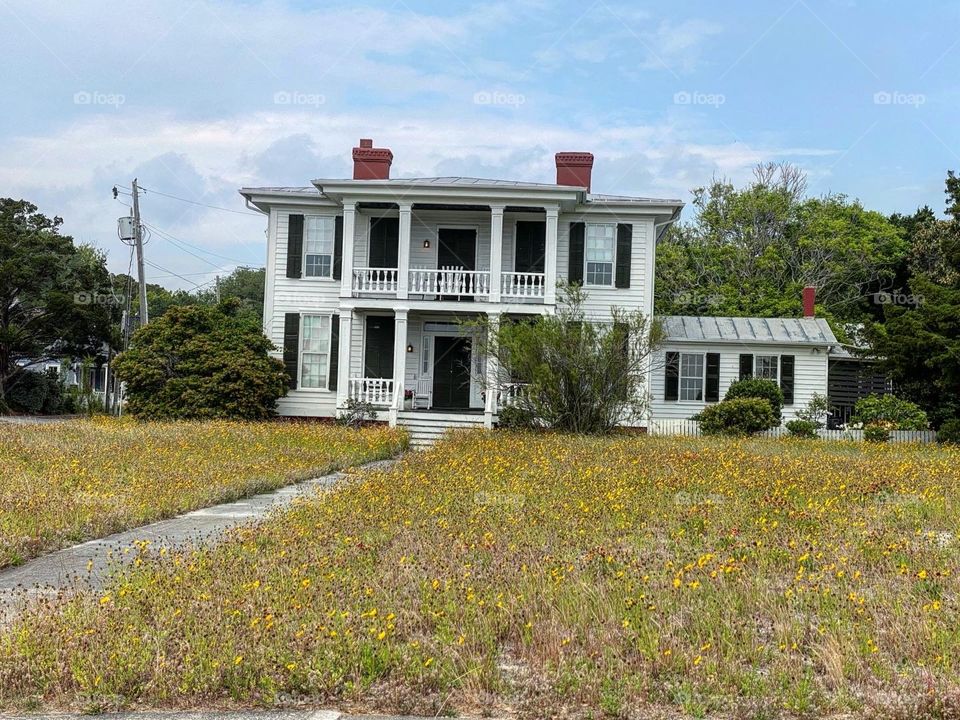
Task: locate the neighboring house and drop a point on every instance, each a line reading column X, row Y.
column 367, row 278
column 702, row 356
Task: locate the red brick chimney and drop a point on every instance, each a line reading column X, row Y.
column 574, row 168
column 370, row 163
column 809, row 300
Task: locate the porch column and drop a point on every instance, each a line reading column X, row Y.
column 346, row 263
column 343, row 357
column 550, row 261
column 403, row 251
column 492, row 376
column 496, row 250
column 399, row 361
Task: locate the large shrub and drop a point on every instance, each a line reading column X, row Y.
column 201, row 362
column 740, row 416
column 758, row 388
column 35, row 392
column 889, row 409
column 801, row 428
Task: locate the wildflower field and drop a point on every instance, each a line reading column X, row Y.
column 68, row 482
column 543, row 576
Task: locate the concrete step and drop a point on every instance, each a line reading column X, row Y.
column 426, row 428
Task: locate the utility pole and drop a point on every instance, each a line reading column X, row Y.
column 138, row 236
column 218, row 289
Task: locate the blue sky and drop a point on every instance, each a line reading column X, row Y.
column 199, row 97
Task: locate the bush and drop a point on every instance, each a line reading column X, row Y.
column 758, row 388
column 357, row 413
column 802, row 428
column 515, row 417
column 816, row 410
column 900, row 414
column 876, row 432
column 201, row 361
column 949, row 432
column 35, row 392
column 740, row 416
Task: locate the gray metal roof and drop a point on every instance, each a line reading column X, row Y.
column 786, row 331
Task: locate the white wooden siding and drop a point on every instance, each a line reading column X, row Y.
column 810, row 375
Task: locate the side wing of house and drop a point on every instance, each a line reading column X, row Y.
column 688, row 376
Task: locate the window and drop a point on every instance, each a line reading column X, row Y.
column 318, row 234
column 601, row 243
column 315, row 351
column 691, row 376
column 766, row 367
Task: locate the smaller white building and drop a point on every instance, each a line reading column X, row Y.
column 702, row 356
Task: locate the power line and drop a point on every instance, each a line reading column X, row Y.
column 194, row 202
column 166, row 235
column 178, row 275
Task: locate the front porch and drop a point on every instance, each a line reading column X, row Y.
column 418, row 363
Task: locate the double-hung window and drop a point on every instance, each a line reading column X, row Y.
column 600, row 246
column 318, row 234
column 691, row 376
column 315, row 351
column 767, row 366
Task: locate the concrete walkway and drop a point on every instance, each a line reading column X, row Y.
column 89, row 563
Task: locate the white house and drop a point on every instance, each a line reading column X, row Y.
column 367, row 278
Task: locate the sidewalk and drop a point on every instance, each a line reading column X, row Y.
column 89, row 563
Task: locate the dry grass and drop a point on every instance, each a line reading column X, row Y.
column 548, row 575
column 69, row 482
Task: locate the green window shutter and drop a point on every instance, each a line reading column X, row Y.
column 334, row 352
column 746, row 366
column 337, row 247
column 624, row 253
column 291, row 346
column 787, row 363
column 672, row 377
column 575, row 255
column 712, row 391
column 295, row 246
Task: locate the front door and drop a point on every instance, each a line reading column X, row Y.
column 451, row 372
column 456, row 249
column 384, row 242
column 531, row 246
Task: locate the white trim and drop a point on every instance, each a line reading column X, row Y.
column 326, row 387
column 703, row 378
column 303, row 249
column 613, row 265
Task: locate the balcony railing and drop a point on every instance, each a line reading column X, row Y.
column 523, row 285
column 510, row 393
column 450, row 282
column 375, row 280
column 376, row 391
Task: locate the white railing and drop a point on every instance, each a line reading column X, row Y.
column 449, row 281
column 691, row 428
column 523, row 284
column 510, row 393
column 375, row 280
column 376, row 391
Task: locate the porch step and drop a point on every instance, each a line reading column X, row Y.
column 425, row 428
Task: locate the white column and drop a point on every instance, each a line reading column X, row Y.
column 496, row 250
column 550, row 261
column 399, row 361
column 403, row 252
column 349, row 232
column 343, row 355
column 492, row 379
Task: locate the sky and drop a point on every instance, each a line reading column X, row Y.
column 197, row 98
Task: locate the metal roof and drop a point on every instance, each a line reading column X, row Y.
column 786, row 331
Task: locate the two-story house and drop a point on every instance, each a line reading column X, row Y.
column 368, row 278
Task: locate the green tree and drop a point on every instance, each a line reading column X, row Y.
column 55, row 298
column 201, row 361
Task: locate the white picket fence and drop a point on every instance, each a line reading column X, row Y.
column 691, row 428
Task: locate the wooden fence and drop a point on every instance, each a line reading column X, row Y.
column 691, row 428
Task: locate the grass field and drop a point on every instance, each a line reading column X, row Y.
column 69, row 482
column 548, row 576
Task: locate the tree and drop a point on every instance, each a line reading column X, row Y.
column 201, row 361
column 572, row 374
column 750, row 251
column 55, row 298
